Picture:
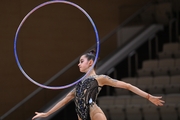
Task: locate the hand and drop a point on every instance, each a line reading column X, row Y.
column 156, row 100
column 39, row 115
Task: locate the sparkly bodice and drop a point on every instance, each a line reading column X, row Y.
column 86, row 93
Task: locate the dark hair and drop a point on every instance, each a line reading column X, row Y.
column 91, row 54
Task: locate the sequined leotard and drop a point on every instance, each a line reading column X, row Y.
column 86, row 95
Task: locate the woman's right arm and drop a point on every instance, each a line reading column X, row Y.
column 60, row 104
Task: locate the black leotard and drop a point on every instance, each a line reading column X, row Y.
column 86, row 95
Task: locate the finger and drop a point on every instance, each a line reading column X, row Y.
column 159, row 97
column 161, row 101
column 161, row 104
column 36, row 112
column 33, row 118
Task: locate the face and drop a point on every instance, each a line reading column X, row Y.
column 84, row 64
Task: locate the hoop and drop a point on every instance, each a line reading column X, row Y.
column 16, row 36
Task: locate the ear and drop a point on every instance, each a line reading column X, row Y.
column 91, row 62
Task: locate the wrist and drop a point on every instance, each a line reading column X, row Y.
column 47, row 114
column 148, row 96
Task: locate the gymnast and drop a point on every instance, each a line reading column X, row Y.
column 86, row 91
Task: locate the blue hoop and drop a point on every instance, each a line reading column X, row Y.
column 16, row 36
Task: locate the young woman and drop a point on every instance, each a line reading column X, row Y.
column 86, row 91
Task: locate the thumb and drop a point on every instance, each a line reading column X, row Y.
column 36, row 112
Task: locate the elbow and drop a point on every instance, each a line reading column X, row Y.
column 69, row 97
column 128, row 86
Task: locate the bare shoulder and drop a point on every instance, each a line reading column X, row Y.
column 100, row 78
column 104, row 79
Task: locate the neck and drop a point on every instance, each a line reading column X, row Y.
column 92, row 73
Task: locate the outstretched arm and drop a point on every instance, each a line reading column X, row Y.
column 105, row 80
column 60, row 104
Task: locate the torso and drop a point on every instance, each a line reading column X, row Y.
column 86, row 93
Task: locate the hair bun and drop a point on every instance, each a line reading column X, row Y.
column 93, row 51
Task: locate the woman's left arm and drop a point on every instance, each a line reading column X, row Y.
column 106, row 80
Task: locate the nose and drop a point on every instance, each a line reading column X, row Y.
column 79, row 64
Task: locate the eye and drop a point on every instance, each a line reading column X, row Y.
column 81, row 61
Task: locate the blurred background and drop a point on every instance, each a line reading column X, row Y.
column 139, row 44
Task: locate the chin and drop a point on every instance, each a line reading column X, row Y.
column 81, row 70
